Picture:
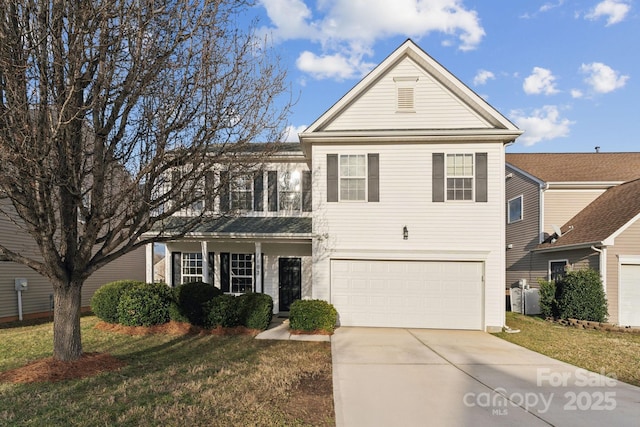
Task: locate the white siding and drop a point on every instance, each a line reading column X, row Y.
column 435, row 106
column 465, row 231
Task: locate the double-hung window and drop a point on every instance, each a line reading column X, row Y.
column 242, row 193
column 557, row 269
column 289, row 191
column 241, row 273
column 192, row 267
column 459, row 176
column 353, row 177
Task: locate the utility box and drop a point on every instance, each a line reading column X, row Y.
column 21, row 284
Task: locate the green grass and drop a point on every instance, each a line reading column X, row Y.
column 614, row 352
column 171, row 381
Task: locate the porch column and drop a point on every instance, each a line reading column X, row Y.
column 258, row 263
column 206, row 275
column 149, row 263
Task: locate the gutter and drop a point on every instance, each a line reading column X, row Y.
column 567, row 247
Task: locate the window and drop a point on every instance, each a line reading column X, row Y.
column 191, row 267
column 515, row 209
column 353, row 177
column 459, row 176
column 241, row 273
column 242, row 193
column 557, row 269
column 289, row 194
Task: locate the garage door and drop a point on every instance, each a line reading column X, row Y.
column 629, row 295
column 408, row 294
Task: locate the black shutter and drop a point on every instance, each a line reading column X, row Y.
column 225, row 275
column 176, row 268
column 306, row 192
column 224, row 191
column 209, row 191
column 373, row 175
column 258, row 189
column 437, row 178
column 481, row 177
column 332, row 177
column 272, row 183
column 211, row 260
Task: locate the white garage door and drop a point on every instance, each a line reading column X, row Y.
column 629, row 295
column 408, row 294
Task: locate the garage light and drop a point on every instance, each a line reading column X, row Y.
column 405, row 233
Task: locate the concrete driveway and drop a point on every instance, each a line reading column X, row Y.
column 422, row 377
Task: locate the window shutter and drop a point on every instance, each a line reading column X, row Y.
column 211, row 260
column 258, row 189
column 224, row 191
column 272, row 183
column 225, row 275
column 481, row 177
column 332, row 177
column 306, row 192
column 373, row 175
column 209, row 191
column 437, row 179
column 176, row 268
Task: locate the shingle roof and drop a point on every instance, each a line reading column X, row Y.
column 601, row 218
column 578, row 167
column 245, row 225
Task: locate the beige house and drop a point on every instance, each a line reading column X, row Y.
column 576, row 210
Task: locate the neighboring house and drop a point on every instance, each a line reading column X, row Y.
column 37, row 299
column 576, row 210
column 405, row 227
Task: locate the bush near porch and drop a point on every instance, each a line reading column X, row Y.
column 578, row 295
column 312, row 316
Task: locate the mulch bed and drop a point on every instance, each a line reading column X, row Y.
column 174, row 328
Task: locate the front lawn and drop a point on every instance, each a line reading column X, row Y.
column 172, row 380
column 612, row 352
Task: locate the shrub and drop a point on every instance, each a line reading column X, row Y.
column 255, row 310
column 580, row 296
column 312, row 315
column 190, row 298
column 105, row 300
column 548, row 303
column 145, row 304
column 222, row 311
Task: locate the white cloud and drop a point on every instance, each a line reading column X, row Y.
column 291, row 133
column 614, row 10
column 337, row 66
column 349, row 29
column 576, row 93
column 482, row 76
column 548, row 6
column 542, row 124
column 541, row 80
column 602, row 78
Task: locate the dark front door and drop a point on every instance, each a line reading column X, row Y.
column 290, row 281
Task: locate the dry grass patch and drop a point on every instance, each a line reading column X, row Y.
column 172, row 380
column 612, row 352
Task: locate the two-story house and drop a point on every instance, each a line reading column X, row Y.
column 576, row 210
column 405, row 227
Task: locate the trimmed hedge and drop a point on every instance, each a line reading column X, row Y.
column 312, row 315
column 548, row 303
column 579, row 295
column 105, row 300
column 190, row 298
column 146, row 304
column 222, row 311
column 255, row 310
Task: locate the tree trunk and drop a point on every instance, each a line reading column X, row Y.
column 67, row 343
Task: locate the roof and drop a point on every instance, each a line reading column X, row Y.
column 578, row 167
column 244, row 225
column 601, row 219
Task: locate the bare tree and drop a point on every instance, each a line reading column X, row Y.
column 100, row 101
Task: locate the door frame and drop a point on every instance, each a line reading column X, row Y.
column 298, row 285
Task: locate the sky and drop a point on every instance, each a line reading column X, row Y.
column 565, row 72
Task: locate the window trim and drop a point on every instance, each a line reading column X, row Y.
column 364, row 178
column 232, row 190
column 472, row 177
column 233, row 275
column 196, row 277
column 509, row 220
column 280, row 193
column 551, row 261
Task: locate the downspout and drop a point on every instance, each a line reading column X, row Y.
column 603, row 266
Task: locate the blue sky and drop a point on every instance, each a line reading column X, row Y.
column 566, row 72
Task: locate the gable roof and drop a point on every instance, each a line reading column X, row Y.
column 578, row 167
column 601, row 219
column 489, row 122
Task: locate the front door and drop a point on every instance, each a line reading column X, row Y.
column 290, row 281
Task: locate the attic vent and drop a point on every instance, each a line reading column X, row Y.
column 405, row 89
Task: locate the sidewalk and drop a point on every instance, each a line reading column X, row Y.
column 279, row 330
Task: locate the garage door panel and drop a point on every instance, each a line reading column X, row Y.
column 408, row 293
column 629, row 295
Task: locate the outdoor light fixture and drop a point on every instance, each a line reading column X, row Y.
column 405, row 233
